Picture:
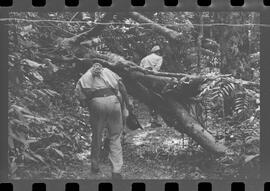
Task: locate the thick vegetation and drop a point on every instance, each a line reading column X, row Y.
column 48, row 128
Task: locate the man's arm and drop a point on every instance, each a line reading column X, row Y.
column 123, row 91
column 146, row 64
column 80, row 95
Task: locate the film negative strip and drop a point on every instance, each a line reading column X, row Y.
column 134, row 95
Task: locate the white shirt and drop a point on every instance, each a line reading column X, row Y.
column 107, row 79
column 152, row 61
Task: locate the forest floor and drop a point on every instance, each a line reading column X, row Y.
column 143, row 163
column 151, row 153
column 140, row 162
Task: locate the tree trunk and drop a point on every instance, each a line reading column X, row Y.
column 150, row 88
column 165, row 92
column 187, row 124
column 169, row 33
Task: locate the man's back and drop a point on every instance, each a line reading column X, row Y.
column 90, row 83
column 107, row 77
column 152, row 62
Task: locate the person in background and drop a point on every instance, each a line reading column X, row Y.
column 103, row 92
column 153, row 62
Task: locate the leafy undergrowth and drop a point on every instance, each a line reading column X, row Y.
column 45, row 130
column 152, row 153
column 141, row 161
column 49, row 134
column 49, row 137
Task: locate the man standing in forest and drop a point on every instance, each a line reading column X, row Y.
column 105, row 95
column 153, row 62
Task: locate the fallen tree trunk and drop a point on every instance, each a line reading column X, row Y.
column 149, row 88
column 152, row 88
column 175, row 115
column 162, row 91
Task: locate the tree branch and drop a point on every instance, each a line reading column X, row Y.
column 171, row 34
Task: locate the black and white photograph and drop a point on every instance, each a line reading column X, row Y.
column 134, row 95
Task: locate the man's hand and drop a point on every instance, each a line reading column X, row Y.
column 124, row 94
column 130, row 106
column 83, row 103
column 149, row 68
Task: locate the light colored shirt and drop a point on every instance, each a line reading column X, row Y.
column 107, row 79
column 152, row 62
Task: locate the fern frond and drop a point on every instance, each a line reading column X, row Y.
column 240, row 103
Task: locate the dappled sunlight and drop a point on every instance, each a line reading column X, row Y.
column 84, row 155
column 173, row 142
column 140, row 138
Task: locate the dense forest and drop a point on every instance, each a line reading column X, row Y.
column 207, row 92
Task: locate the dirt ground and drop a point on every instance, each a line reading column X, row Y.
column 151, row 153
column 147, row 155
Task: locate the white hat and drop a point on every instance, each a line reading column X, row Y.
column 155, row 48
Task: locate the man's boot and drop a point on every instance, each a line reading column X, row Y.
column 155, row 124
column 95, row 169
column 105, row 150
column 154, row 120
column 116, row 176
